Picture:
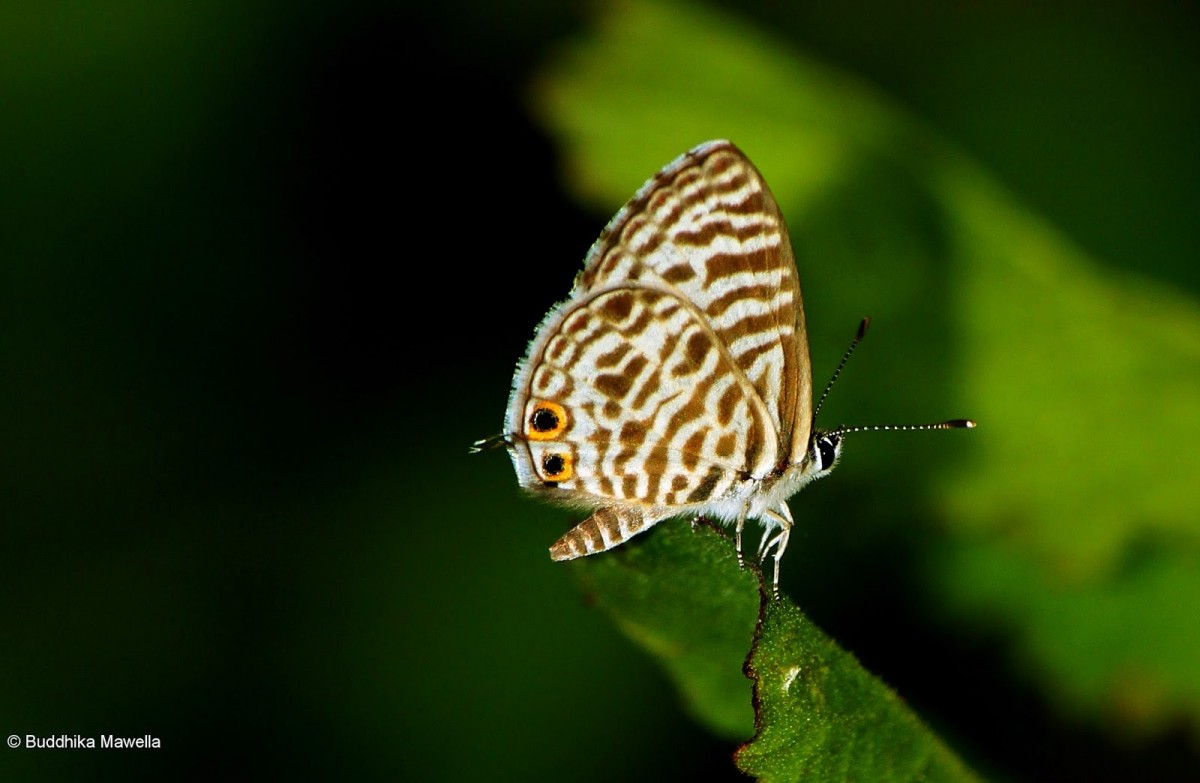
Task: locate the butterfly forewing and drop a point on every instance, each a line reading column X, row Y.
column 708, row 228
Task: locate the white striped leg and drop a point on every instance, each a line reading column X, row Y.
column 741, row 524
column 783, row 516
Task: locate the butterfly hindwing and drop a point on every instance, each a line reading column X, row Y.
column 628, row 398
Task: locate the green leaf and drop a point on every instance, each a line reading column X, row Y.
column 1080, row 525
column 823, row 717
column 1069, row 522
column 680, row 594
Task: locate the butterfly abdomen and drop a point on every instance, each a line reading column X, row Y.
column 605, row 529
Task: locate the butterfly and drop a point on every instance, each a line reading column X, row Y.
column 675, row 378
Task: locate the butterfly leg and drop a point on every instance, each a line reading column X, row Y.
column 782, row 516
column 741, row 525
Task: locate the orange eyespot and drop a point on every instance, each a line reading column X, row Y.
column 547, row 420
column 556, row 466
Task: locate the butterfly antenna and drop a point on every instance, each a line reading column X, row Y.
column 862, row 331
column 952, row 424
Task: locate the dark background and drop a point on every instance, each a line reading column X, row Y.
column 264, row 272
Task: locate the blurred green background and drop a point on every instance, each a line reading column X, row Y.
column 265, row 270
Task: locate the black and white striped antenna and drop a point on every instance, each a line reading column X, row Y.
column 952, row 424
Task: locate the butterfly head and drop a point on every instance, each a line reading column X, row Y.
column 824, row 451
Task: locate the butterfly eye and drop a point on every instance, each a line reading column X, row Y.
column 828, row 446
column 546, row 421
column 556, row 467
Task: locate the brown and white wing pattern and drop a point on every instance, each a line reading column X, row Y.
column 629, row 402
column 707, row 227
column 675, row 378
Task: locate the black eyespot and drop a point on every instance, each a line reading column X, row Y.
column 827, row 446
column 547, row 421
column 543, row 420
column 553, row 464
